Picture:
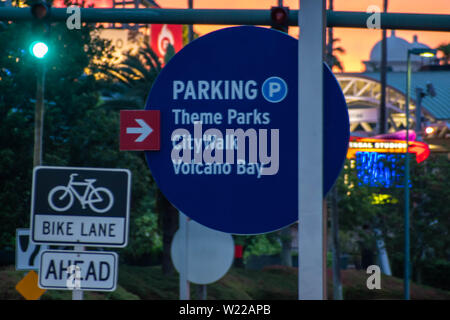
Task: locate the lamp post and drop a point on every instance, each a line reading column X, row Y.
column 423, row 52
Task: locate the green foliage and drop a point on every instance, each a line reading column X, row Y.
column 331, row 58
column 434, row 271
column 79, row 130
column 262, row 244
column 329, row 259
column 355, row 211
column 276, row 282
column 429, row 216
column 169, row 53
column 147, row 240
column 16, row 131
column 131, row 82
column 133, row 78
column 186, row 35
column 445, row 49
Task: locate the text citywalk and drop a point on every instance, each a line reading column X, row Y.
column 213, row 152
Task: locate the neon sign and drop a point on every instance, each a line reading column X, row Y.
column 380, row 169
column 383, row 199
column 357, row 144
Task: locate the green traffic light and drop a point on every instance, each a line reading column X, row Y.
column 39, row 49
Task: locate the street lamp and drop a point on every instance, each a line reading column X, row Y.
column 423, row 52
column 429, row 130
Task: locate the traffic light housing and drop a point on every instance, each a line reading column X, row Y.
column 279, row 17
column 40, row 10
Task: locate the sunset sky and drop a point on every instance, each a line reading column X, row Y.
column 356, row 42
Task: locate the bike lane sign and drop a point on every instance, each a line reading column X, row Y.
column 80, row 206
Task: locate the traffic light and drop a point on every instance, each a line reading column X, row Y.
column 279, row 17
column 40, row 10
column 39, row 49
column 41, row 29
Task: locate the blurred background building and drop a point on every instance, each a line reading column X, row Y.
column 363, row 92
column 128, row 38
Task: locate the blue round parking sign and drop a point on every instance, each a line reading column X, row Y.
column 229, row 131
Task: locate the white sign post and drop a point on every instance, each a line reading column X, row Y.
column 311, row 20
column 77, row 293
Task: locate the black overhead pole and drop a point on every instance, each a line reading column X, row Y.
column 341, row 19
column 382, row 121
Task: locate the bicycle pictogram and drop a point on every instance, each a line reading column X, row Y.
column 61, row 198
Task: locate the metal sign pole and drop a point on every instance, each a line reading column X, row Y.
column 202, row 292
column 184, row 283
column 77, row 294
column 311, row 20
column 183, row 220
column 39, row 116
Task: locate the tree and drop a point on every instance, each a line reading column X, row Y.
column 186, row 35
column 429, row 221
column 331, row 57
column 355, row 212
column 78, row 129
column 136, row 75
column 445, row 49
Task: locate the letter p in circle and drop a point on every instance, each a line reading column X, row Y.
column 274, row 89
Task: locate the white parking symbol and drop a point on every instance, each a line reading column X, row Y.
column 274, row 89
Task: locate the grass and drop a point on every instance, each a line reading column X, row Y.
column 274, row 282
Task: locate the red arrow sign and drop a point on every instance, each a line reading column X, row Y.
column 139, row 130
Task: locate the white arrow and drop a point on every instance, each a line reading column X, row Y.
column 144, row 130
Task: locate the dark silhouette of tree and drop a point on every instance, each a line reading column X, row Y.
column 135, row 77
column 445, row 49
column 330, row 55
